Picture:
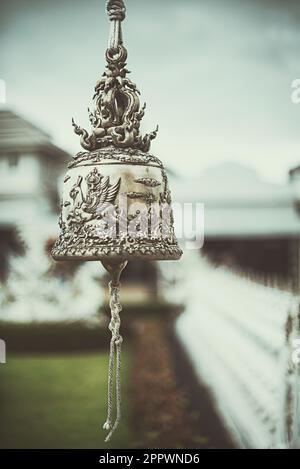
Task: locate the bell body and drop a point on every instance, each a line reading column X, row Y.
column 116, row 206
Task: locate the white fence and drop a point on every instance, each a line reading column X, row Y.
column 240, row 337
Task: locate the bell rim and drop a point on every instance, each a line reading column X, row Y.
column 175, row 255
column 160, row 250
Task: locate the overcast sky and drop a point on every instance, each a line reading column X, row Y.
column 216, row 75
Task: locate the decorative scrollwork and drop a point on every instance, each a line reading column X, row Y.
column 126, row 155
column 149, row 182
column 149, row 198
column 117, row 114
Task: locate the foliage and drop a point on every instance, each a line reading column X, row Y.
column 33, row 292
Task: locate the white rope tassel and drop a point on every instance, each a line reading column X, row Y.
column 115, row 347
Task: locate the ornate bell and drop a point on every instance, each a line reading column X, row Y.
column 116, row 201
column 116, row 205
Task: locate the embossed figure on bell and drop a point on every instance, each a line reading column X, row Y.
column 116, row 203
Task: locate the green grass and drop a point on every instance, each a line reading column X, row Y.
column 49, row 401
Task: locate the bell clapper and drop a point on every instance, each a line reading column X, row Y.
column 115, row 269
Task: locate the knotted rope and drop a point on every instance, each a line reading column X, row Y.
column 116, row 12
column 115, row 349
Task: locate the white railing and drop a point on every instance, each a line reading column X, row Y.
column 239, row 336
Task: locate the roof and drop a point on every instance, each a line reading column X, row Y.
column 238, row 203
column 17, row 132
column 251, row 222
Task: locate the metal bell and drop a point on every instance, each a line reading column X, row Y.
column 116, row 203
column 116, row 199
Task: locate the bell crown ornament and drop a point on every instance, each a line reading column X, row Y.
column 116, row 203
column 116, row 199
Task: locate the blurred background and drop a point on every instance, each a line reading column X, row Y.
column 208, row 339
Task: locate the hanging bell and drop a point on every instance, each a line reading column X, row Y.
column 116, row 203
column 116, row 199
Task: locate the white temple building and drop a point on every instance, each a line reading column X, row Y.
column 240, row 204
column 30, row 168
column 248, row 222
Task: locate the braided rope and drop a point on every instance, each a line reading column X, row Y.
column 115, row 348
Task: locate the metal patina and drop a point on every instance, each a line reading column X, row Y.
column 116, row 204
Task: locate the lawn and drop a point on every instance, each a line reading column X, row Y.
column 57, row 401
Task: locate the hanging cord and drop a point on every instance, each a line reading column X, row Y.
column 115, row 349
column 116, row 12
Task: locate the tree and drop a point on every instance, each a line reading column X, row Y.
column 33, row 292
